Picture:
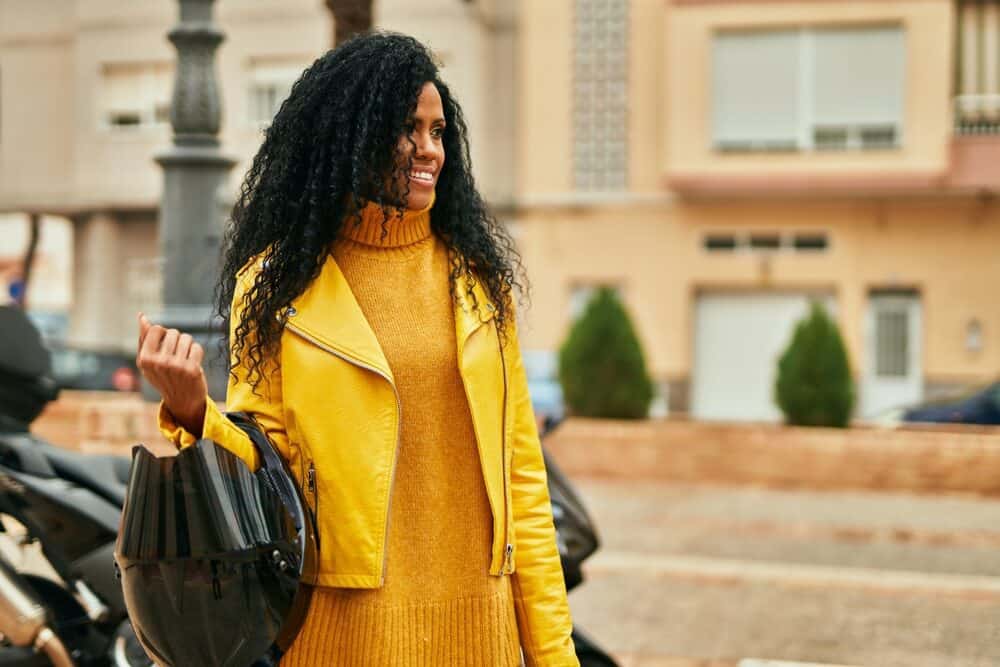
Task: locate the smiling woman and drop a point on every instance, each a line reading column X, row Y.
column 369, row 297
column 421, row 149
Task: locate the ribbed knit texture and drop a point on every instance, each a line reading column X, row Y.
column 439, row 605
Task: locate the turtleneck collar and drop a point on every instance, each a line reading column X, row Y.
column 412, row 228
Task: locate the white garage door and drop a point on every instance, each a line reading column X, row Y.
column 738, row 339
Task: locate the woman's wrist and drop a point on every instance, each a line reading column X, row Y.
column 189, row 417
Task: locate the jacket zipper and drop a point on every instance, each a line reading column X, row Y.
column 399, row 424
column 311, row 485
column 509, row 548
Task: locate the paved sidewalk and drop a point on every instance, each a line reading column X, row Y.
column 721, row 574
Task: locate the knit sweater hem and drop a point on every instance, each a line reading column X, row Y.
column 478, row 631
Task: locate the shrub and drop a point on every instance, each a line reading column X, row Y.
column 814, row 385
column 601, row 365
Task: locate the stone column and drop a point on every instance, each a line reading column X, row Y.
column 97, row 282
column 193, row 209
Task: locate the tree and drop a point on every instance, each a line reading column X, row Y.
column 814, row 385
column 601, row 364
column 350, row 17
column 28, row 262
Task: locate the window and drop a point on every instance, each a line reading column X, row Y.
column 581, row 294
column 809, row 242
column 977, row 54
column 270, row 82
column 718, row 242
column 892, row 343
column 600, row 98
column 765, row 241
column 812, row 89
column 136, row 95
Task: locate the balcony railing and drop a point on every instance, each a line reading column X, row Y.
column 977, row 114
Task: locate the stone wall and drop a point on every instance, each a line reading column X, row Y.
column 923, row 459
column 918, row 459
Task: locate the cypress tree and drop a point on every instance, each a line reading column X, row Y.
column 814, row 385
column 602, row 368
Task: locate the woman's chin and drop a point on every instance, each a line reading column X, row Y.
column 419, row 199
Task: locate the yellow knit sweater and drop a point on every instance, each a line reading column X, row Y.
column 439, row 605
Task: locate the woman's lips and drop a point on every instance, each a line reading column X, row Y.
column 422, row 182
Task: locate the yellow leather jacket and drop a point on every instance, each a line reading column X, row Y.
column 329, row 404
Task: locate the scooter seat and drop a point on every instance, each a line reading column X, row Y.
column 105, row 475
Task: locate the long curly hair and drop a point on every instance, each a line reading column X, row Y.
column 332, row 148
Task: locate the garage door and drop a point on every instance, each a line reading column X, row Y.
column 738, row 339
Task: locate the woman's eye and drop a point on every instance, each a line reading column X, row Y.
column 437, row 132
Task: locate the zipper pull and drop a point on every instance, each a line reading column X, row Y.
column 311, row 478
column 505, row 567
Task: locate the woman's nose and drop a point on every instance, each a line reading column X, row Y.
column 426, row 148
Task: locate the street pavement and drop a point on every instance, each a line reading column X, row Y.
column 700, row 576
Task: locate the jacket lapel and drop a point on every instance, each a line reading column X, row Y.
column 328, row 311
column 467, row 319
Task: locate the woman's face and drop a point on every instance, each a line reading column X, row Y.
column 426, row 132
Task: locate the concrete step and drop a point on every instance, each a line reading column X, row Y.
column 722, row 570
column 945, row 534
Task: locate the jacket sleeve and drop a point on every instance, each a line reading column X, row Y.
column 541, row 605
column 264, row 403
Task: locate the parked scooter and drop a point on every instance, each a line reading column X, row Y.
column 577, row 540
column 67, row 503
column 70, row 504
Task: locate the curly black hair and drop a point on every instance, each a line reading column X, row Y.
column 333, row 147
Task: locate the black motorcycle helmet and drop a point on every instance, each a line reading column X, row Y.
column 26, row 382
column 212, row 557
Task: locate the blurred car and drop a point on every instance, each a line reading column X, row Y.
column 93, row 370
column 541, row 369
column 980, row 406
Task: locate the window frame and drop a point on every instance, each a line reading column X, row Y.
column 808, row 124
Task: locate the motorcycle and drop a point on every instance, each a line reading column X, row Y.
column 70, row 504
column 576, row 538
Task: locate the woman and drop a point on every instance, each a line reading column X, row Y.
column 368, row 295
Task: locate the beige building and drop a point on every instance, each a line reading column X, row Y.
column 723, row 162
column 85, row 90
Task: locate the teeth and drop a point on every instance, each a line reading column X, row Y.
column 422, row 176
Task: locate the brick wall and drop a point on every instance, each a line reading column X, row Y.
column 101, row 423
column 928, row 459
column 921, row 459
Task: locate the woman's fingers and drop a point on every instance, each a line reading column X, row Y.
column 150, row 348
column 164, row 351
column 144, row 325
column 168, row 348
column 197, row 353
column 171, row 362
column 184, row 346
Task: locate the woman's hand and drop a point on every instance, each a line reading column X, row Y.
column 171, row 362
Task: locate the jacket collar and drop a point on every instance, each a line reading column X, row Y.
column 328, row 312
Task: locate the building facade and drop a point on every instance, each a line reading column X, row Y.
column 85, row 90
column 720, row 162
column 725, row 162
